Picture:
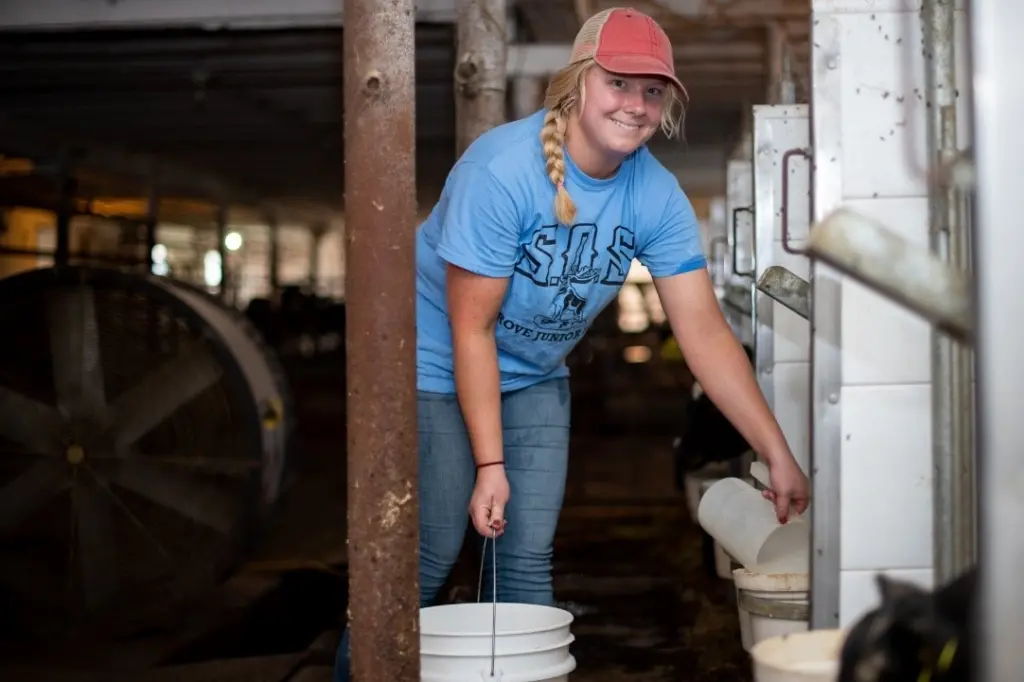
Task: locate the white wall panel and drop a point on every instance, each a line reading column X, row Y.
column 792, row 333
column 883, row 83
column 860, row 591
column 883, row 343
column 791, row 384
column 875, row 460
column 887, row 477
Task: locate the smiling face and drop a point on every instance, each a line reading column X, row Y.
column 619, row 113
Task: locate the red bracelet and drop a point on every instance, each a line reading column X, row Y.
column 490, row 464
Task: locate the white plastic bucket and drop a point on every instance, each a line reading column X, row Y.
column 531, row 643
column 778, row 593
column 811, row 656
column 723, row 562
column 735, row 514
column 697, row 482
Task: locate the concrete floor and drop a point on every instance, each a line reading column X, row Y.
column 630, row 556
column 628, row 562
column 628, row 559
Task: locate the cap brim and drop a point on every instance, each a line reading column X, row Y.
column 636, row 65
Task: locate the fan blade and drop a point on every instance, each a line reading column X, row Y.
column 95, row 544
column 183, row 493
column 159, row 395
column 28, row 422
column 31, row 490
column 74, row 344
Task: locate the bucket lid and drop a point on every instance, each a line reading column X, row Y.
column 476, row 619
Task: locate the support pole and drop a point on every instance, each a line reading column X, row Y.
column 480, row 78
column 952, row 363
column 316, row 240
column 274, row 252
column 775, row 44
column 152, row 222
column 380, row 208
column 222, row 251
column 65, row 214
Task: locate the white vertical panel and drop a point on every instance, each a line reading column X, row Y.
column 998, row 53
column 739, row 195
column 826, row 361
column 873, row 467
column 739, row 250
column 886, row 403
column 782, row 336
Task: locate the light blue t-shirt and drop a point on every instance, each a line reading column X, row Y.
column 496, row 217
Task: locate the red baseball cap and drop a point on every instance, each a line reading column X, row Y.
column 624, row 40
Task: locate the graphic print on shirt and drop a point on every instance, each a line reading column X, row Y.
column 587, row 258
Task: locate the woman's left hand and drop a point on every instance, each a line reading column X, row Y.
column 790, row 487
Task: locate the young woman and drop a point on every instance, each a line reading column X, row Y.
column 532, row 237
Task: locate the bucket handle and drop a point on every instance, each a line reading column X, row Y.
column 494, row 589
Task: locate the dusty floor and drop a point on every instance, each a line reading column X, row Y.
column 649, row 611
column 628, row 558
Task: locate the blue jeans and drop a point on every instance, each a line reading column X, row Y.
column 535, row 431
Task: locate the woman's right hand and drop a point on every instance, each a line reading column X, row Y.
column 487, row 505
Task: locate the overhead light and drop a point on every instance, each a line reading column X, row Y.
column 212, row 272
column 233, row 241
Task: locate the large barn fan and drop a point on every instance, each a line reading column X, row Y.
column 143, row 434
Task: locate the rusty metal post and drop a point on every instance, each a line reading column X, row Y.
column 480, row 79
column 380, row 210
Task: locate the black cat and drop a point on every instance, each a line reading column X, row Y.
column 914, row 635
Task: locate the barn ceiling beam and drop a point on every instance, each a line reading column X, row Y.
column 542, row 59
column 138, row 170
column 744, row 9
column 36, row 15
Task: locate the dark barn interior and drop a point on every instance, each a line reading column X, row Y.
column 204, row 562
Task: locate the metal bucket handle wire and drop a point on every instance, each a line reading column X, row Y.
column 494, row 589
